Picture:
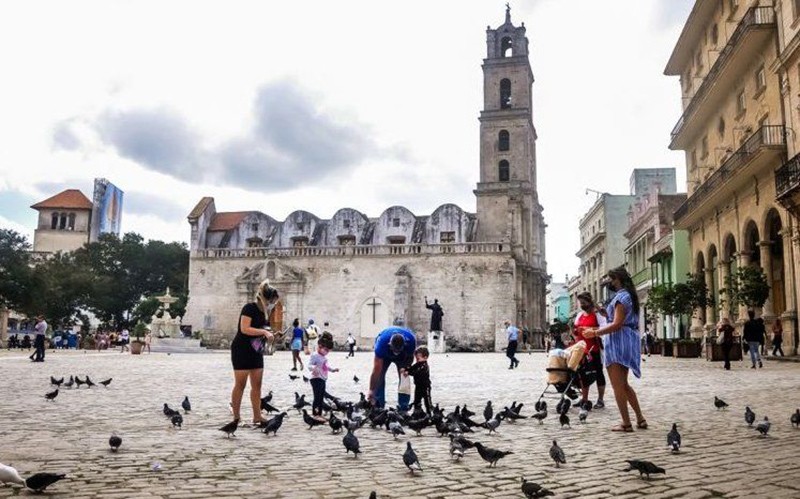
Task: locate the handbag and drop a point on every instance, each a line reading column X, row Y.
column 257, row 344
column 720, row 338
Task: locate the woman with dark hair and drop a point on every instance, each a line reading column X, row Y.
column 298, row 342
column 589, row 318
column 247, row 349
column 622, row 346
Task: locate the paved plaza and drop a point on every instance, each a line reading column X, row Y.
column 721, row 456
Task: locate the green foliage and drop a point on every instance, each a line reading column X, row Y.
column 61, row 289
column 747, row 286
column 140, row 330
column 15, row 270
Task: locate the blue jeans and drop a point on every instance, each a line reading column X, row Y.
column 403, row 399
column 755, row 355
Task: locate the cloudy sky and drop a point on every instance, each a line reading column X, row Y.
column 318, row 105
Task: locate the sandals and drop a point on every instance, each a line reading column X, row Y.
column 623, row 428
column 642, row 425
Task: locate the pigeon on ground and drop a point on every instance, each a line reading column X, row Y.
column 749, row 416
column 187, row 406
column 488, row 411
column 492, row 424
column 230, row 428
column 557, row 455
column 396, row 428
column 644, row 468
column 274, row 424
column 763, row 427
column 89, row 382
column 462, row 441
column 300, row 401
column 305, row 379
column 106, row 382
column 350, row 441
column 269, row 408
column 563, row 406
column 456, row 449
column 355, row 378
column 564, row 420
column 312, row 421
column 69, row 383
column 719, row 403
column 795, row 419
column 466, row 413
column 177, row 420
column 410, row 458
column 168, row 412
column 516, row 408
column 373, row 495
column 674, row 438
column 540, row 416
column 511, row 415
column 40, row 481
column 114, row 442
column 540, row 405
column 293, row 377
column 418, row 424
column 489, row 455
column 268, row 397
column 335, row 424
column 583, row 414
column 52, row 395
column 56, row 382
column 10, row 475
column 533, row 490
column 79, row 381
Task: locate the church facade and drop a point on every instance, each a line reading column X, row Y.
column 360, row 273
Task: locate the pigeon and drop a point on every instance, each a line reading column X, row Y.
column 532, row 490
column 187, row 406
column 355, row 378
column 335, row 424
column 492, row 424
column 540, row 416
column 763, row 427
column 489, row 455
column 89, row 382
column 410, row 458
column 168, row 412
column 114, row 442
column 293, row 377
column 563, row 406
column 564, row 420
column 466, row 413
column 268, row 398
column 274, row 424
column 230, row 428
column 350, row 441
column 40, row 481
column 644, row 468
column 56, row 382
column 488, row 411
column 106, row 382
column 557, row 455
column 540, row 405
column 719, row 403
column 79, row 381
column 795, row 419
column 396, row 428
column 749, row 416
column 52, row 395
column 511, row 415
column 516, row 408
column 312, row 421
column 10, row 475
column 69, row 383
column 674, row 438
column 418, row 424
column 300, row 401
column 305, row 379
column 177, row 420
column 583, row 414
column 266, row 406
column 456, row 449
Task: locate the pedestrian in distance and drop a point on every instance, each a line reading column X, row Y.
column 298, row 343
column 40, row 329
column 312, row 335
column 124, row 340
column 351, row 344
column 754, row 337
column 725, row 329
column 777, row 338
column 513, row 339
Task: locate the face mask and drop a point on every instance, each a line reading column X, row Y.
column 270, row 307
column 586, row 308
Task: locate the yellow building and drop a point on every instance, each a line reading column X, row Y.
column 734, row 131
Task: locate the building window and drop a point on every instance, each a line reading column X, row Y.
column 506, row 47
column 346, row 224
column 721, row 126
column 300, row 226
column 255, row 242
column 299, row 242
column 254, row 227
column 54, row 221
column 447, row 237
column 347, row 240
column 741, row 104
column 395, row 222
column 761, row 79
column 396, row 240
column 505, row 93
column 503, row 140
column 704, row 148
column 504, row 171
column 714, row 35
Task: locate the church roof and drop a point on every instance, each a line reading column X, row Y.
column 227, row 220
column 70, row 199
column 200, row 208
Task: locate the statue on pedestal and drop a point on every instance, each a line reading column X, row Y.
column 436, row 314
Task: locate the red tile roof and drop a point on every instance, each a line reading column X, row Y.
column 71, row 199
column 227, row 220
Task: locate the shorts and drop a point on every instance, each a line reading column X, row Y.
column 244, row 357
column 297, row 344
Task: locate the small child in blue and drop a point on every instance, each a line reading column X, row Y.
column 318, row 365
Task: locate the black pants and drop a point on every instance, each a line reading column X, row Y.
column 422, row 393
column 776, row 347
column 318, row 386
column 511, row 352
column 38, row 343
column 352, row 350
column 726, row 354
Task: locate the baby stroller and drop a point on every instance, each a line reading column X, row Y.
column 568, row 371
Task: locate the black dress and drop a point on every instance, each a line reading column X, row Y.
column 246, row 351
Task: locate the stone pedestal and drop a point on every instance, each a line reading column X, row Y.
column 176, row 345
column 436, row 342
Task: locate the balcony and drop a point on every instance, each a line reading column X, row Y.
column 787, row 185
column 741, row 49
column 356, row 251
column 767, row 143
column 642, row 278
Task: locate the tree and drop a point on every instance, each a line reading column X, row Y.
column 15, row 270
column 747, row 286
column 61, row 290
column 678, row 299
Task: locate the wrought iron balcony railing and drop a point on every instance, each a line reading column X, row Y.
column 787, row 178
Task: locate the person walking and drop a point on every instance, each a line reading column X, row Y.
column 318, row 365
column 725, row 329
column 148, row 340
column 38, row 343
column 312, row 335
column 298, row 342
column 124, row 340
column 588, row 317
column 777, row 338
column 513, row 340
column 247, row 349
column 351, row 344
column 622, row 346
column 754, row 337
column 394, row 345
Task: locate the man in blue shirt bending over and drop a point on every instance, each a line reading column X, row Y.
column 396, row 345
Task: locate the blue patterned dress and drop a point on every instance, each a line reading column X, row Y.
column 623, row 346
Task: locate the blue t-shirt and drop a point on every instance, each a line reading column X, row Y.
column 297, row 334
column 383, row 351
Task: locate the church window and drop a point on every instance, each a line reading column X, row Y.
column 505, row 93
column 71, row 221
column 54, row 221
column 300, row 226
column 347, row 240
column 255, row 242
column 396, row 240
column 447, row 237
column 299, row 242
column 395, row 222
column 271, row 270
column 346, row 224
column 504, row 140
column 504, row 171
column 506, row 47
column 254, row 227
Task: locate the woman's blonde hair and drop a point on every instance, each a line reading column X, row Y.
column 264, row 294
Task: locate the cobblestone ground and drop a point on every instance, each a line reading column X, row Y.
column 721, row 456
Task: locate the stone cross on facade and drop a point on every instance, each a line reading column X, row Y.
column 374, row 306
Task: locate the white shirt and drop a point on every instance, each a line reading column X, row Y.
column 125, row 334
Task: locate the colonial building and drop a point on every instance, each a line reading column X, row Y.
column 360, row 272
column 737, row 66
column 558, row 306
column 63, row 223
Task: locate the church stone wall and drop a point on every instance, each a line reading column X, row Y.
column 476, row 292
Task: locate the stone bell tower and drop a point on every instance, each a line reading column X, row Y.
column 508, row 206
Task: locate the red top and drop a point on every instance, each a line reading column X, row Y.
column 584, row 320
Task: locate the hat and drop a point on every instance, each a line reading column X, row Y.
column 396, row 343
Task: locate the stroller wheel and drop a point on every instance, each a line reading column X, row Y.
column 563, row 405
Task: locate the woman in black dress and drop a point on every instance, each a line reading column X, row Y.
column 247, row 349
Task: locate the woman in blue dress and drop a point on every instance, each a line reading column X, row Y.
column 622, row 346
